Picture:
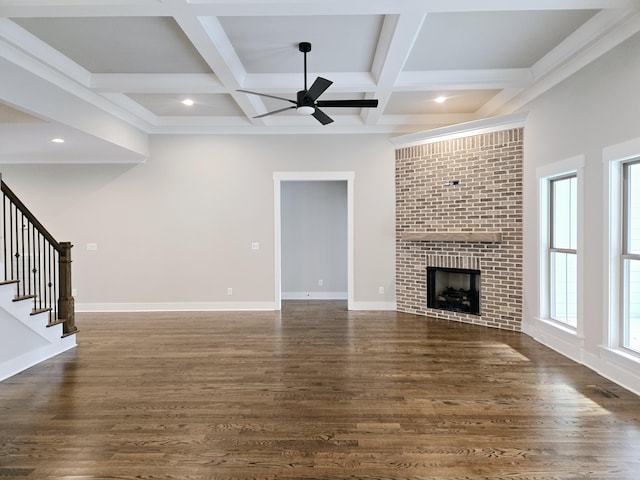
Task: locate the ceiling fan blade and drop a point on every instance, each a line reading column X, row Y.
column 372, row 103
column 317, row 88
column 322, row 117
column 275, row 111
column 266, row 95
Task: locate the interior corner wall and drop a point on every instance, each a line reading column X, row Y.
column 175, row 232
column 595, row 108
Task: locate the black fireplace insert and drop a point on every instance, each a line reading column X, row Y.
column 453, row 289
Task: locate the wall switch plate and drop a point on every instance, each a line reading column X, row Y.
column 92, row 247
column 255, row 246
column 320, row 282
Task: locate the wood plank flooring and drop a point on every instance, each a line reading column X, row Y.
column 312, row 392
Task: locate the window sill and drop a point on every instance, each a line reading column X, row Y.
column 621, row 357
column 559, row 326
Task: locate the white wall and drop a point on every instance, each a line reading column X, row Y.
column 596, row 108
column 176, row 231
column 314, row 239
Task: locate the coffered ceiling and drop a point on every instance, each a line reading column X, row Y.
column 107, row 74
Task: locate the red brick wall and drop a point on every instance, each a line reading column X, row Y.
column 488, row 198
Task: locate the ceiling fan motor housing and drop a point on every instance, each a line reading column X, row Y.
column 305, row 105
column 303, row 100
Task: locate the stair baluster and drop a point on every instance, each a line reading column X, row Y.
column 38, row 262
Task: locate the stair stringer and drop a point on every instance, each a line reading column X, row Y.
column 25, row 339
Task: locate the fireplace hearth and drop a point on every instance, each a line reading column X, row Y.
column 453, row 289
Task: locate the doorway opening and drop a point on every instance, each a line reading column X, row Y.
column 311, row 263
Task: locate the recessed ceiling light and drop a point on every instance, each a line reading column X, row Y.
column 440, row 99
column 57, row 140
column 187, row 101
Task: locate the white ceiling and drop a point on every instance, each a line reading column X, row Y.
column 106, row 75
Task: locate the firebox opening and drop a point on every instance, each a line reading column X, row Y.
column 453, row 289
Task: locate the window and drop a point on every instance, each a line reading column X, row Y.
column 560, row 237
column 563, row 242
column 630, row 334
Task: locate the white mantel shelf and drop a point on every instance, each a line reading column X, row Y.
column 487, row 237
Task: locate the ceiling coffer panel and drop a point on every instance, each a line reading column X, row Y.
column 120, row 45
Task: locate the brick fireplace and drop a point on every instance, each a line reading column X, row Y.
column 459, row 206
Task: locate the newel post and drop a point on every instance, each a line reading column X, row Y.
column 66, row 303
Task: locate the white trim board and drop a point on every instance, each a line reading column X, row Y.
column 314, row 295
column 29, row 359
column 174, row 307
column 461, row 130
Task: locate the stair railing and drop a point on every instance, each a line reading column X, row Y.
column 38, row 264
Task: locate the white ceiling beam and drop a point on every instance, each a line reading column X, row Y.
column 599, row 26
column 48, row 8
column 284, row 82
column 132, row 106
column 396, row 41
column 74, row 81
column 109, row 8
column 463, row 79
column 432, row 119
column 494, row 106
column 287, row 124
column 209, row 38
column 39, row 53
column 211, row 41
column 42, row 98
column 548, row 73
column 198, row 19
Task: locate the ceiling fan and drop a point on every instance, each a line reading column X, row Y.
column 307, row 102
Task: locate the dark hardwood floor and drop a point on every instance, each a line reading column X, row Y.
column 312, row 392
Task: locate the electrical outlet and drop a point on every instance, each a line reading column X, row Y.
column 255, row 246
column 320, row 283
column 381, row 290
column 229, row 291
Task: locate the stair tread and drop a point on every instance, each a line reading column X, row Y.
column 36, row 311
column 68, row 334
column 55, row 322
column 19, row 298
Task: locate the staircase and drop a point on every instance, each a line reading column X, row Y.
column 37, row 319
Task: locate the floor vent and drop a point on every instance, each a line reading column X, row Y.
column 602, row 391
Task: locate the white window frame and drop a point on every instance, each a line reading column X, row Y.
column 563, row 168
column 552, row 202
column 624, row 256
column 614, row 157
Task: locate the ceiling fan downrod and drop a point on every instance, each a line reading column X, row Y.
column 305, row 47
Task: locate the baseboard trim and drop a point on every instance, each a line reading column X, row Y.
column 18, row 364
column 314, row 295
column 610, row 363
column 174, row 307
column 211, row 306
column 385, row 306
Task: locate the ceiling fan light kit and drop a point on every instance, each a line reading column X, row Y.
column 307, row 102
column 305, row 110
